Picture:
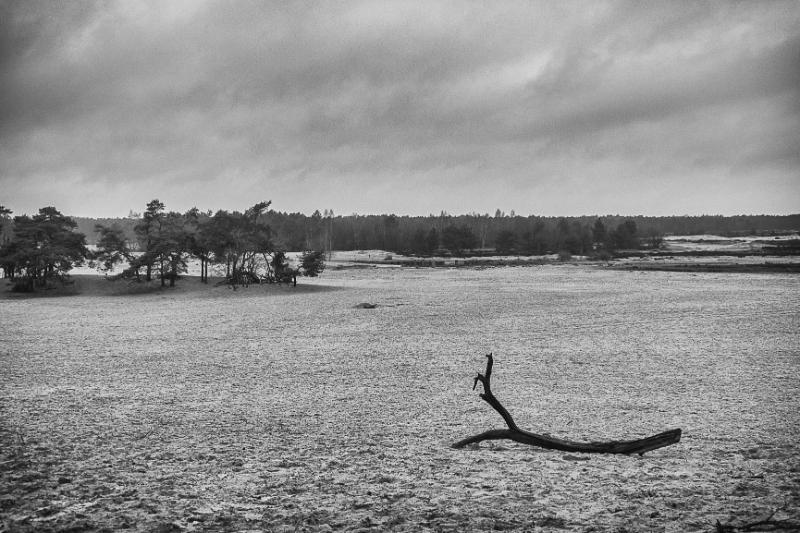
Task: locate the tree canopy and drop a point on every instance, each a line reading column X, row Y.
column 241, row 243
column 44, row 248
column 458, row 238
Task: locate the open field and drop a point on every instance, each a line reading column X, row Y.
column 273, row 409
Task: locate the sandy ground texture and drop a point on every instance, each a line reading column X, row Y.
column 273, row 409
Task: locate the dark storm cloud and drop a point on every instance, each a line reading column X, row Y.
column 407, row 107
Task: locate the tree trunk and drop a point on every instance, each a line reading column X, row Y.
column 514, row 433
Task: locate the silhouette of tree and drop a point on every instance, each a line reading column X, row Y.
column 44, row 248
column 599, row 234
column 113, row 249
column 312, row 263
column 237, row 239
column 431, row 241
column 625, row 237
column 4, row 218
column 458, row 238
column 147, row 231
column 505, row 242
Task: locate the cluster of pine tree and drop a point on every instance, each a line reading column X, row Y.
column 44, row 247
column 157, row 244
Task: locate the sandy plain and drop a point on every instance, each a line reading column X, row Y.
column 279, row 409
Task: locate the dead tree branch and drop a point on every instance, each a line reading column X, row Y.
column 514, row 433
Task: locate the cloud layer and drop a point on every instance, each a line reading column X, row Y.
column 407, row 107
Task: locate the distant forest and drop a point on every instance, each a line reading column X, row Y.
column 481, row 233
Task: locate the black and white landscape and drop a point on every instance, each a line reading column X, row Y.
column 254, row 255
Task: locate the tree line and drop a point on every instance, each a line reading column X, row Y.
column 251, row 246
column 502, row 233
column 43, row 248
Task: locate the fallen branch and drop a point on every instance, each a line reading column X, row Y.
column 514, row 433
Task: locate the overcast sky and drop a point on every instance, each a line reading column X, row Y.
column 551, row 108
